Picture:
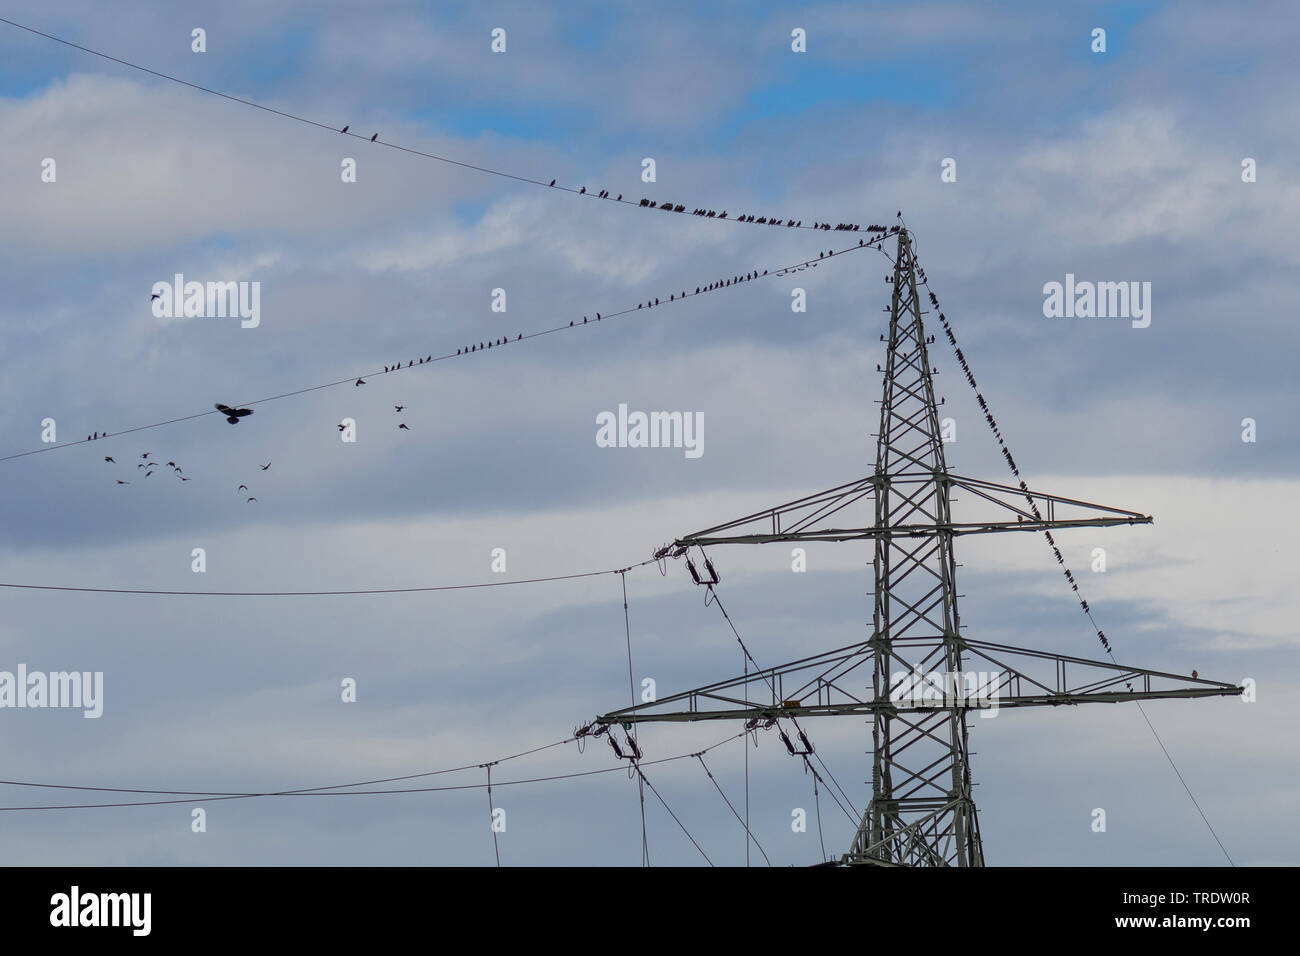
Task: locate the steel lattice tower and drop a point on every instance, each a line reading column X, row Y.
column 925, row 676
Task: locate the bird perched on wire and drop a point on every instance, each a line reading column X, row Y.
column 1194, row 675
column 233, row 415
column 372, row 139
column 346, row 128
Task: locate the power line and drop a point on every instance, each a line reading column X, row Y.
column 602, row 194
column 441, row 587
column 674, row 298
column 671, row 814
column 733, row 811
column 320, row 791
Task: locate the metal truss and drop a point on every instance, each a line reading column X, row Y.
column 917, row 678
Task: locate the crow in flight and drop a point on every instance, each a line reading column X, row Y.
column 109, row 458
column 242, row 488
column 398, row 408
column 403, row 426
column 233, row 415
column 266, row 466
column 250, row 500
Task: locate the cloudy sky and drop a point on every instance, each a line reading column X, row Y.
column 1117, row 166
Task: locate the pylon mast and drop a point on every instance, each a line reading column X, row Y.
column 922, row 809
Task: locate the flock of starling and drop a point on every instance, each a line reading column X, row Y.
column 148, row 465
column 504, row 340
column 743, row 217
column 242, row 488
column 349, row 126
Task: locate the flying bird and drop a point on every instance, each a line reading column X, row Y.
column 361, row 381
column 242, row 488
column 155, row 296
column 121, row 482
column 250, row 500
column 403, row 426
column 266, row 466
column 233, row 415
column 109, row 458
column 398, row 408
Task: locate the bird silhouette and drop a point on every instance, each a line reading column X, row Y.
column 361, row 381
column 242, row 488
column 109, row 458
column 155, row 296
column 398, row 408
column 372, row 139
column 552, row 182
column 403, row 427
column 345, row 129
column 251, row 500
column 233, row 415
column 185, row 479
column 145, row 455
column 1193, row 675
column 266, row 466
column 121, row 482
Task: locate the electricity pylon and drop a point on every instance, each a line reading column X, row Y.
column 925, row 676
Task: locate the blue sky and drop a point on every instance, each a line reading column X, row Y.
column 1123, row 166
